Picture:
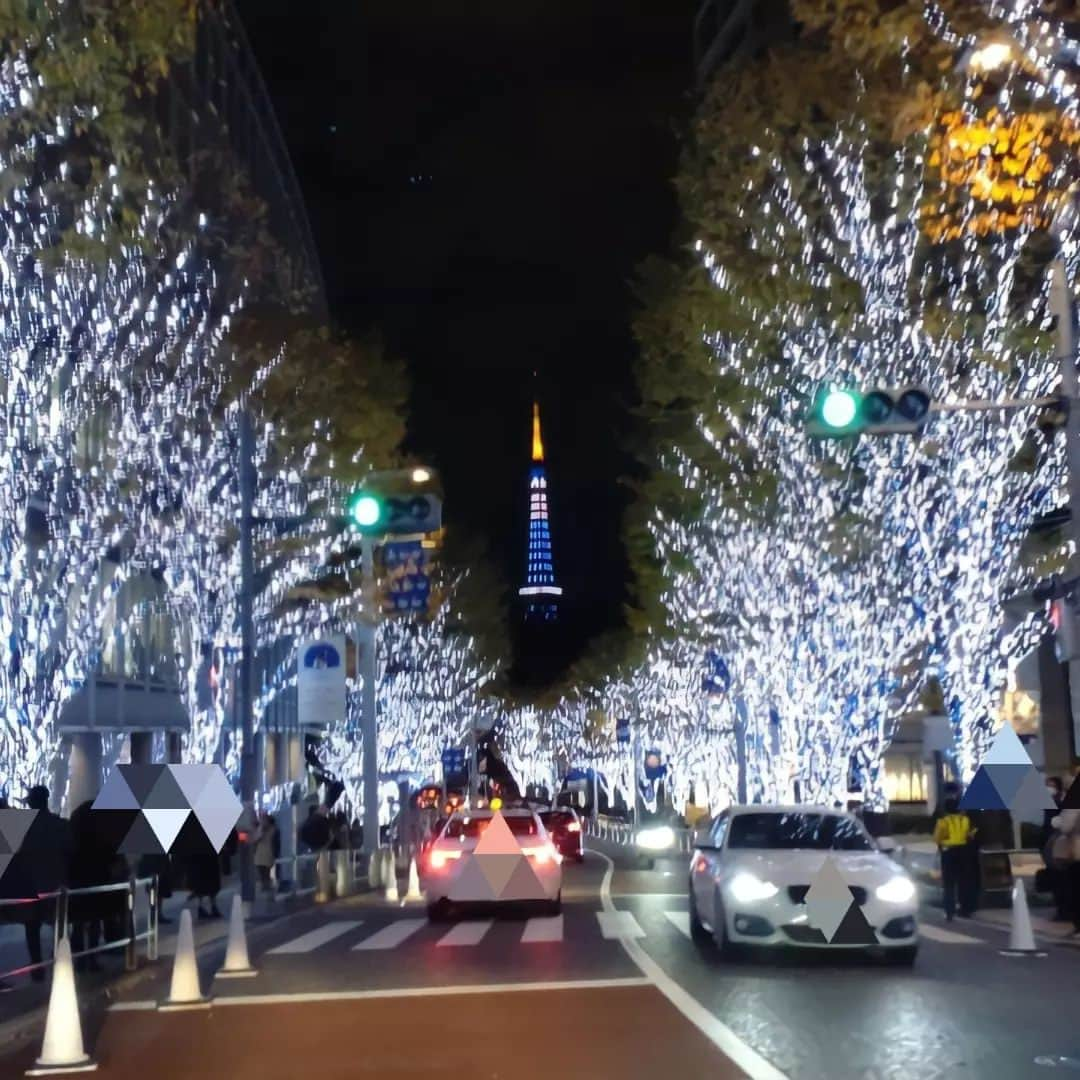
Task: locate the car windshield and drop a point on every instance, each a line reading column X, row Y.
column 471, row 827
column 557, row 818
column 818, row 832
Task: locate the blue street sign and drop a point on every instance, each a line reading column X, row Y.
column 408, row 585
column 622, row 730
column 453, row 759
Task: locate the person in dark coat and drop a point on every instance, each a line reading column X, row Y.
column 93, row 861
column 204, row 882
column 39, row 867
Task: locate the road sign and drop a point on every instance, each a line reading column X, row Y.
column 405, row 514
column 320, row 682
column 406, row 582
column 622, row 730
column 654, row 768
column 453, row 759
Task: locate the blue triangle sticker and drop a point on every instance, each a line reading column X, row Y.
column 981, row 794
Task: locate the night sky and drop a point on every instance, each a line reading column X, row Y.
column 482, row 179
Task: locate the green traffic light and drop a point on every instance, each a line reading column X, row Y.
column 839, row 408
column 365, row 510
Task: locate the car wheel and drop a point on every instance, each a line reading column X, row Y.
column 438, row 912
column 719, row 931
column 579, row 857
column 902, row 957
column 699, row 933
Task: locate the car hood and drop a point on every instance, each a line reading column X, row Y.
column 799, row 867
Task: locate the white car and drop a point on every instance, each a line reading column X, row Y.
column 749, row 879
column 492, row 857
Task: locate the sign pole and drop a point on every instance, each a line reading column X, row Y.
column 366, row 635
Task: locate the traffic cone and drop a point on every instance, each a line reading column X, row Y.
column 1021, row 937
column 322, row 877
column 62, row 1050
column 390, row 873
column 184, row 990
column 414, row 892
column 237, row 964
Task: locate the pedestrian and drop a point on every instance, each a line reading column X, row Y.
column 267, row 845
column 1053, row 877
column 94, row 861
column 204, row 882
column 1067, row 824
column 953, row 834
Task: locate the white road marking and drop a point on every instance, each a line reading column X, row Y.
column 714, row 1029
column 947, row 937
column 680, row 920
column 467, row 933
column 618, row 924
column 305, row 943
column 544, row 928
column 389, row 937
column 408, row 992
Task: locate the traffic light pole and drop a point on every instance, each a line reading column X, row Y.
column 367, row 632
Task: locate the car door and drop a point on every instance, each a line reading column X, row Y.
column 705, row 867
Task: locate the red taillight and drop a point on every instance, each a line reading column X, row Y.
column 439, row 859
column 573, row 827
column 542, row 854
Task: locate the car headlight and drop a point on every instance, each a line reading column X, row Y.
column 746, row 888
column 656, row 839
column 897, row 890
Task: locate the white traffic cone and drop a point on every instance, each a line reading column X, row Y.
column 1021, row 937
column 374, row 872
column 390, row 873
column 414, row 892
column 237, row 964
column 62, row 1051
column 184, row 990
column 343, row 883
column 322, row 877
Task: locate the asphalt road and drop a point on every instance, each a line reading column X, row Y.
column 613, row 987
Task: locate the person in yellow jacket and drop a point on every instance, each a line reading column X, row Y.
column 953, row 834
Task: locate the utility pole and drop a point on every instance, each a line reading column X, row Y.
column 247, row 654
column 367, row 633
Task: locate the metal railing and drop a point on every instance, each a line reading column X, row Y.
column 319, row 873
column 61, row 921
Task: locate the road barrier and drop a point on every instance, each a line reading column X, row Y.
column 55, row 907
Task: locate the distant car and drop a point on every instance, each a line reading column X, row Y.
column 750, row 876
column 564, row 827
column 449, row 874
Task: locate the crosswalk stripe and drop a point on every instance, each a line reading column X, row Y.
column 947, row 937
column 543, row 928
column 619, row 924
column 391, row 936
column 680, row 920
column 466, row 933
column 319, row 936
